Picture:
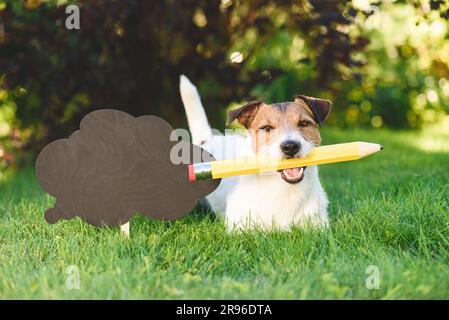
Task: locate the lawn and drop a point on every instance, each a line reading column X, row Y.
column 390, row 211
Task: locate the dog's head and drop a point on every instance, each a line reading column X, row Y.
column 284, row 130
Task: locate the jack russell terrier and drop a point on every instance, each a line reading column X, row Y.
column 278, row 200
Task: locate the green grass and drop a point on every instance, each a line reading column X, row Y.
column 389, row 210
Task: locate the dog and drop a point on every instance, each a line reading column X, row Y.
column 278, row 200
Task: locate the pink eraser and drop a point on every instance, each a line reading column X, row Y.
column 192, row 176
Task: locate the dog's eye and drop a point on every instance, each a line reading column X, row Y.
column 266, row 128
column 303, row 123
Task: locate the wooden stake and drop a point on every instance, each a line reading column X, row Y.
column 125, row 229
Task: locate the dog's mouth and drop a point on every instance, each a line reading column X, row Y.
column 293, row 175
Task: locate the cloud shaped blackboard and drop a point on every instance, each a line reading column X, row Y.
column 115, row 166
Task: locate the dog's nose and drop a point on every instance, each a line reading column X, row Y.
column 290, row 147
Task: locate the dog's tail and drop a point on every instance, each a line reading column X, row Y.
column 196, row 116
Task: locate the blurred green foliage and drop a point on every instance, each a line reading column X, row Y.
column 382, row 63
column 404, row 78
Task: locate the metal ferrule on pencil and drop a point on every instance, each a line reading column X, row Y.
column 200, row 171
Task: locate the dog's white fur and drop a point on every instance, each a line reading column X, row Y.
column 258, row 200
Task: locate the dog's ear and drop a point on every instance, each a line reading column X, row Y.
column 320, row 107
column 244, row 115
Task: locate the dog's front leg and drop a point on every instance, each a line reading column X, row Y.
column 313, row 213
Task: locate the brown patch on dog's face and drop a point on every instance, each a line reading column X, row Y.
column 284, row 130
column 280, row 118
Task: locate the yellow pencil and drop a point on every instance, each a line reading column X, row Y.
column 319, row 155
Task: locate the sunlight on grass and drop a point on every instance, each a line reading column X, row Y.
column 434, row 138
column 5, row 175
column 433, row 143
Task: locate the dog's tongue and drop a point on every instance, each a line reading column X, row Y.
column 293, row 173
